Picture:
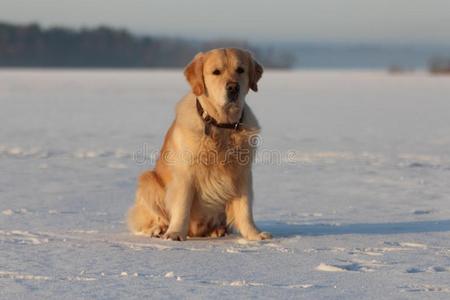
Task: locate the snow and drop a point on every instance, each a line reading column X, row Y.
column 352, row 178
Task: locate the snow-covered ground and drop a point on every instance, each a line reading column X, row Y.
column 352, row 178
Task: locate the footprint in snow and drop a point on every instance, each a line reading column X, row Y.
column 357, row 265
column 435, row 269
column 422, row 211
column 354, row 267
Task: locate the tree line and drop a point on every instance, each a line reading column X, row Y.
column 104, row 47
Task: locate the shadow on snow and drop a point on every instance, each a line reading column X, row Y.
column 280, row 229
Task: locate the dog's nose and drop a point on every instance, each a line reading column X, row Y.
column 233, row 90
column 233, row 87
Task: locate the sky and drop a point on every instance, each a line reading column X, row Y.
column 360, row 21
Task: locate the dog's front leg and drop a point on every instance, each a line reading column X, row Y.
column 178, row 200
column 239, row 212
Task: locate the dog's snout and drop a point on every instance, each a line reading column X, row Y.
column 233, row 90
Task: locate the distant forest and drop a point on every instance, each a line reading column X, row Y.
column 104, row 47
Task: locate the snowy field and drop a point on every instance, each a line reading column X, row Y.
column 353, row 180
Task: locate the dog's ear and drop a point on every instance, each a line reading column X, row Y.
column 255, row 73
column 194, row 74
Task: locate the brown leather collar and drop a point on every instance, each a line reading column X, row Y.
column 208, row 120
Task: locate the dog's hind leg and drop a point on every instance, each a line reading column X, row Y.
column 148, row 216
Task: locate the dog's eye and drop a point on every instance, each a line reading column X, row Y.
column 216, row 72
column 240, row 70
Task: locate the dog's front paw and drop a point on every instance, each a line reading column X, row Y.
column 259, row 236
column 175, row 236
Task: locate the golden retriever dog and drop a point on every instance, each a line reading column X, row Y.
column 202, row 182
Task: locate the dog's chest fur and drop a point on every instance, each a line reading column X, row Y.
column 221, row 164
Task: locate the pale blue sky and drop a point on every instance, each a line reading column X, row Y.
column 379, row 21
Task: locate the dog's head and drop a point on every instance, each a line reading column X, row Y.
column 223, row 77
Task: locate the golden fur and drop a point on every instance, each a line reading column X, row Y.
column 202, row 183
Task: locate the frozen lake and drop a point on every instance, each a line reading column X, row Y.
column 360, row 208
